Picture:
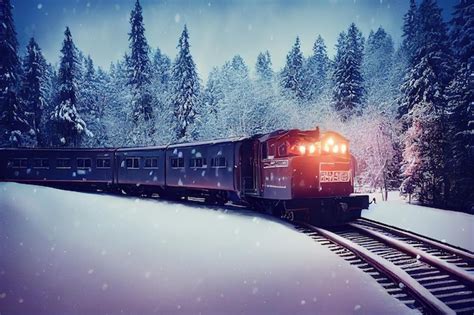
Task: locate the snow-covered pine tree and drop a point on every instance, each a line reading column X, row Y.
column 348, row 93
column 461, row 108
column 292, row 74
column 36, row 90
column 425, row 96
column 117, row 105
column 185, row 90
column 69, row 125
column 410, row 32
column 91, row 103
column 317, row 69
column 139, row 79
column 161, row 66
column 407, row 53
column 212, row 101
column 377, row 70
column 263, row 67
column 14, row 128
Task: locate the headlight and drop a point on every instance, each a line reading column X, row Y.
column 312, row 149
column 302, row 149
column 343, row 148
column 335, row 149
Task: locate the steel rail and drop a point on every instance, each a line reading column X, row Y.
column 452, row 269
column 396, row 273
column 461, row 253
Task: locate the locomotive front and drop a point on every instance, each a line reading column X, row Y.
column 311, row 174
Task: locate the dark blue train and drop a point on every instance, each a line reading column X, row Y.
column 290, row 173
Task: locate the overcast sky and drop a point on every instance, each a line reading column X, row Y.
column 218, row 29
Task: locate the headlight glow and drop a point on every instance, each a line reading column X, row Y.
column 302, row 149
column 343, row 148
column 335, row 149
column 312, row 149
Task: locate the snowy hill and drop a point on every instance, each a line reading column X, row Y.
column 65, row 252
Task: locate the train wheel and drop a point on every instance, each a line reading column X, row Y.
column 289, row 215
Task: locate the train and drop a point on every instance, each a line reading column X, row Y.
column 294, row 174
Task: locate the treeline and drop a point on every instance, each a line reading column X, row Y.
column 407, row 110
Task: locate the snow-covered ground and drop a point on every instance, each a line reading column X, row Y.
column 65, row 252
column 452, row 227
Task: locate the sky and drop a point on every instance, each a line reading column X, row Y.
column 218, row 29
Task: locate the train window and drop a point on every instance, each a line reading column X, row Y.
column 84, row 163
column 63, row 163
column 151, row 163
column 177, row 162
column 282, row 151
column 132, row 162
column 218, row 162
column 19, row 163
column 271, row 150
column 197, row 162
column 264, row 151
column 41, row 163
column 102, row 163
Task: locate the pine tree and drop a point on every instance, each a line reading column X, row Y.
column 185, row 89
column 348, row 94
column 263, row 67
column 461, row 108
column 139, row 80
column 91, row 103
column 410, row 32
column 292, row 74
column 36, row 90
column 317, row 70
column 377, row 72
column 69, row 125
column 425, row 99
column 14, row 128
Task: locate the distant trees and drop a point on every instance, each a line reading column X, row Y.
column 292, row 74
column 185, row 90
column 377, row 70
column 349, row 92
column 317, row 70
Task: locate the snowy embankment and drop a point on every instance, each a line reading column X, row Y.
column 66, row 252
column 452, row 227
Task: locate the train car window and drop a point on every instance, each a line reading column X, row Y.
column 19, row 163
column 271, row 150
column 63, row 163
column 282, row 150
column 132, row 163
column 40, row 163
column 84, row 163
column 177, row 162
column 218, row 162
column 151, row 163
column 197, row 162
column 102, row 163
column 264, row 151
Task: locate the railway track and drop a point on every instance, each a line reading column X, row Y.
column 423, row 273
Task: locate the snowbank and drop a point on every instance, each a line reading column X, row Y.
column 73, row 253
column 452, row 227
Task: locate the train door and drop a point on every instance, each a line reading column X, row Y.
column 249, row 170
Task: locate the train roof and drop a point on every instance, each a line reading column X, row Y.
column 61, row 149
column 209, row 142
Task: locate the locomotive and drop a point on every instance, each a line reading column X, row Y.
column 295, row 174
